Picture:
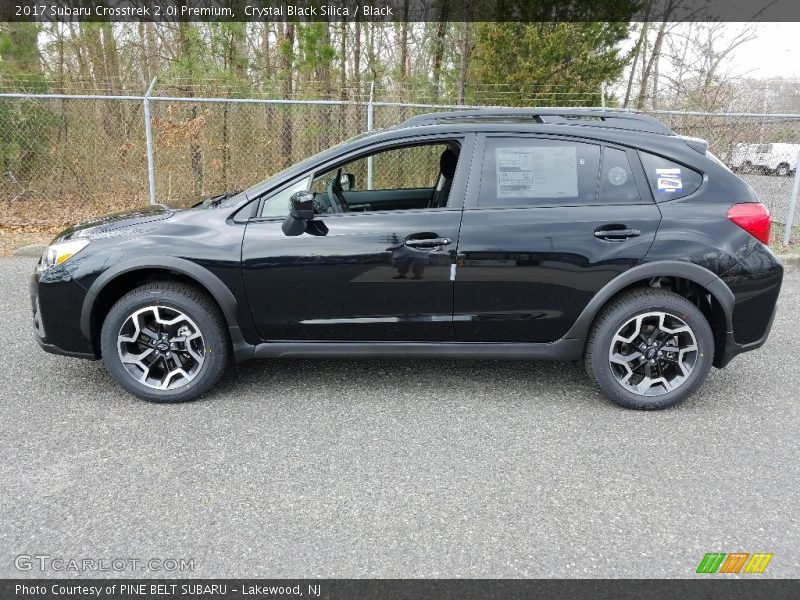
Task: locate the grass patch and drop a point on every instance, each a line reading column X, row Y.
column 776, row 240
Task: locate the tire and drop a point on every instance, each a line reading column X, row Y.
column 189, row 365
column 609, row 360
column 747, row 167
column 782, row 170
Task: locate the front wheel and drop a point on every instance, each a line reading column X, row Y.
column 165, row 342
column 649, row 349
column 782, row 170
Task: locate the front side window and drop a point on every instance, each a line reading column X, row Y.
column 404, row 178
column 669, row 180
column 277, row 205
column 536, row 172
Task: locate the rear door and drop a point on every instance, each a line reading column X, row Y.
column 548, row 222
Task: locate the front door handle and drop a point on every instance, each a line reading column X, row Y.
column 432, row 243
column 615, row 235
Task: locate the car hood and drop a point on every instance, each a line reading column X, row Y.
column 116, row 224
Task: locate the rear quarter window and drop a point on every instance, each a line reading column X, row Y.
column 669, row 180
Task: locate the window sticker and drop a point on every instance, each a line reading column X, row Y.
column 668, row 180
column 537, row 172
column 617, row 176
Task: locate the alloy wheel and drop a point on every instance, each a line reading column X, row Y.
column 161, row 347
column 653, row 354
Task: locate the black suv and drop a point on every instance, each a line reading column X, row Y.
column 512, row 234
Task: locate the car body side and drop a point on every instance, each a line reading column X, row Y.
column 693, row 250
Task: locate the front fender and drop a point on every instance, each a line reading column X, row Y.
column 202, row 276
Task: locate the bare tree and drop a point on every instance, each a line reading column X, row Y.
column 701, row 73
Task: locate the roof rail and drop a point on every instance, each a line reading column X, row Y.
column 616, row 119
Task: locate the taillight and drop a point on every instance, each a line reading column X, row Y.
column 753, row 217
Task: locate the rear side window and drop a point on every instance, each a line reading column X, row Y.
column 668, row 179
column 617, row 184
column 534, row 172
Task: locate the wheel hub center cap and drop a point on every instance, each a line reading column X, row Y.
column 651, row 353
column 162, row 346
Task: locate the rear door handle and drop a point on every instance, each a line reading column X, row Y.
column 428, row 242
column 616, row 234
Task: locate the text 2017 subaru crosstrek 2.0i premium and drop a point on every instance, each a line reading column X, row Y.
column 507, row 234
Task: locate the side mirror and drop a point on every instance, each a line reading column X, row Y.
column 301, row 210
column 347, row 181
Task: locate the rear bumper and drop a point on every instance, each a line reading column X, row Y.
column 733, row 348
column 756, row 284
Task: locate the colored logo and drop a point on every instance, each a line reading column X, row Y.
column 735, row 562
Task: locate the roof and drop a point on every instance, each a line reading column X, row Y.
column 612, row 119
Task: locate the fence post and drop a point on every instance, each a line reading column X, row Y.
column 603, row 95
column 787, row 230
column 148, row 132
column 370, row 119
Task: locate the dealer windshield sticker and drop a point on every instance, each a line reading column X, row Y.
column 533, row 172
column 668, row 180
column 617, row 176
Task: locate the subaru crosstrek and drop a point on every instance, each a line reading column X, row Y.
column 599, row 236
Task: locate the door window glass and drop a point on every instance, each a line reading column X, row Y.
column 408, row 177
column 277, row 205
column 410, row 167
column 535, row 172
column 617, row 185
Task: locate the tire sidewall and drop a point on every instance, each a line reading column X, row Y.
column 667, row 303
column 212, row 340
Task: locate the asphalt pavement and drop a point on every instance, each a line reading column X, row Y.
column 394, row 468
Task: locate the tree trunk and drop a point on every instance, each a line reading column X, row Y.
column 343, row 81
column 265, row 48
column 357, row 57
column 648, row 69
column 116, row 119
column 324, row 76
column 465, row 50
column 287, row 52
column 151, row 45
column 637, row 52
column 438, row 52
column 62, row 121
column 195, row 152
column 403, row 72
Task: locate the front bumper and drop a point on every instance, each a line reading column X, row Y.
column 56, row 302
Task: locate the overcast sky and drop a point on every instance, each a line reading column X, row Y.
column 775, row 53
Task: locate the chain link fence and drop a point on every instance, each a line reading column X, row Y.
column 763, row 149
column 66, row 158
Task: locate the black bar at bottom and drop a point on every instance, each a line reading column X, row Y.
column 704, row 587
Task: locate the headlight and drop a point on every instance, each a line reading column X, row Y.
column 57, row 254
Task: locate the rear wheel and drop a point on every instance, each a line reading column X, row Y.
column 747, row 167
column 165, row 342
column 782, row 170
column 649, row 349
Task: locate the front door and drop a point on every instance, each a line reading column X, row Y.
column 380, row 270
